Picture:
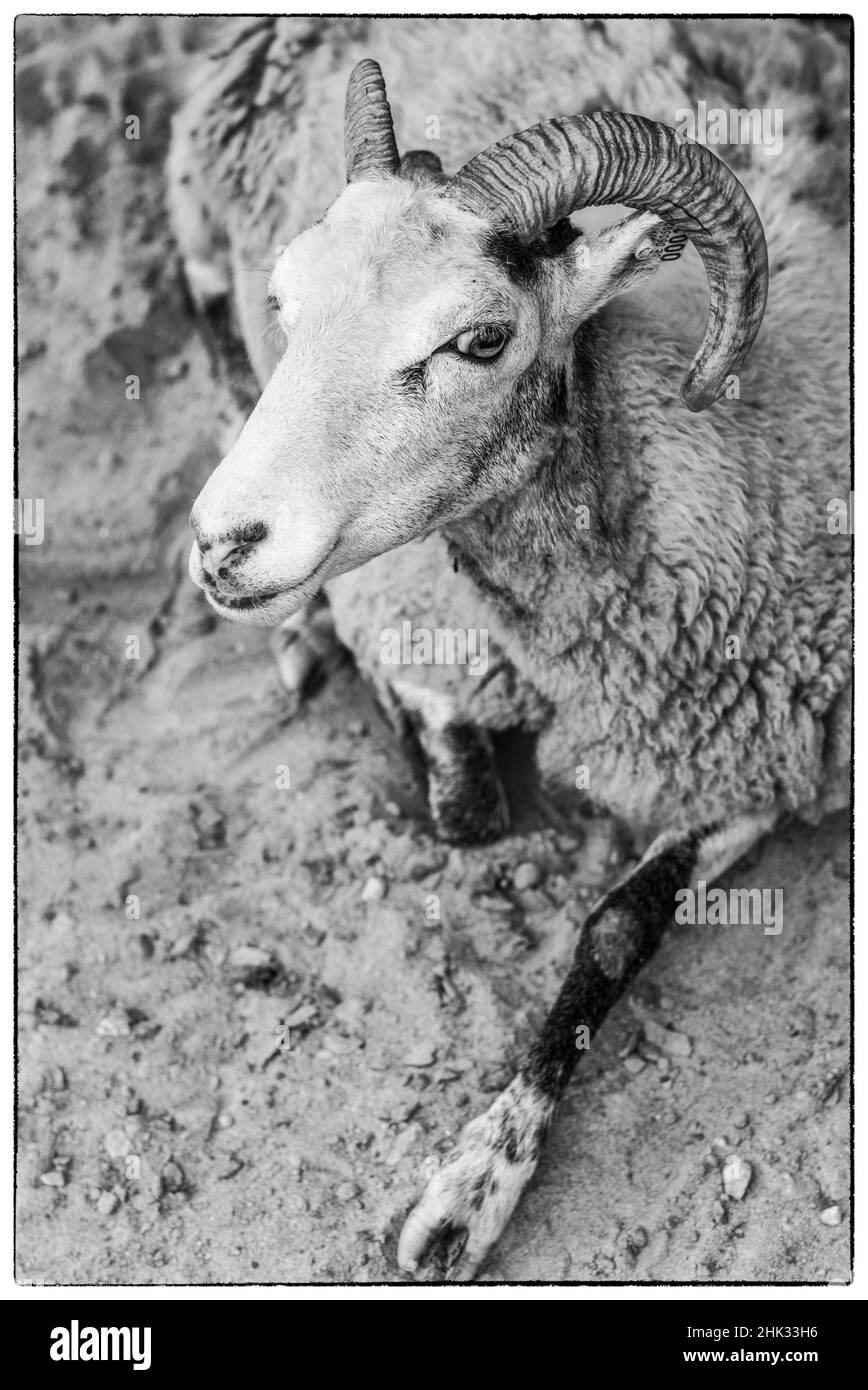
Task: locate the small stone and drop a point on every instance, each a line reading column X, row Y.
column 527, row 875
column 114, row 1025
column 53, row 1179
column 346, row 1191
column 559, row 889
column 392, row 809
column 491, row 904
column 172, row 1177
column 424, row 863
column 404, row 1142
column 249, row 958
column 667, row 1039
column 176, row 369
column 374, row 890
column 830, row 1217
column 420, row 1056
column 742, row 1120
column 634, row 1065
column 117, row 1144
column 770, row 1099
column 350, row 1014
column 107, row 1203
column 305, row 1013
column 336, row 1045
column 737, row 1174
column 631, row 1044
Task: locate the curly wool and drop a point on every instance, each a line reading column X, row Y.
column 702, row 528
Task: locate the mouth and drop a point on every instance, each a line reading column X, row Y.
column 271, row 606
column 245, row 604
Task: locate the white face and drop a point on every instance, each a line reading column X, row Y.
column 414, row 386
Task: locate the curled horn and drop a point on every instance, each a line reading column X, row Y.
column 527, row 182
column 369, row 138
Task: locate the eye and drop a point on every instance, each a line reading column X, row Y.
column 483, row 343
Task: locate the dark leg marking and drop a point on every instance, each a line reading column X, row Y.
column 478, row 1187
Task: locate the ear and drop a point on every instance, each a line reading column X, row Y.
column 619, row 257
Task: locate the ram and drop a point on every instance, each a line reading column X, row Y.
column 445, row 355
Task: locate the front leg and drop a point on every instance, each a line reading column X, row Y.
column 469, row 1201
column 466, row 797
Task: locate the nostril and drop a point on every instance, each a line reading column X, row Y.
column 221, row 556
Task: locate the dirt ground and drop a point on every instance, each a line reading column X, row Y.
column 235, row 1062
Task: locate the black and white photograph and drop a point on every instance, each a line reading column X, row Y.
column 433, row 563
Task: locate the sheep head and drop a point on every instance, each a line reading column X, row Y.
column 429, row 329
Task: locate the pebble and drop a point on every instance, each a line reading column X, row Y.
column 346, row 1191
column 374, row 890
column 634, row 1065
column 737, row 1174
column 559, row 889
column 117, row 1144
column 404, row 1142
column 527, row 875
column 420, row 1056
column 667, row 1039
column 350, row 1014
column 830, row 1217
column 115, row 1025
column 172, row 1177
column 107, row 1203
column 176, row 369
column 305, row 1013
column 53, row 1179
column 742, row 1120
column 631, row 1044
column 425, row 862
column 249, row 958
column 54, row 1079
